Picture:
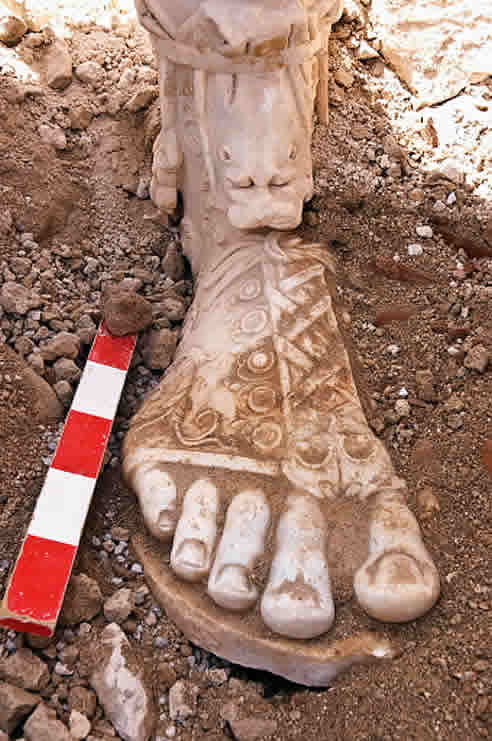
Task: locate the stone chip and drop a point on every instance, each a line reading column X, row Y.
column 43, row 725
column 15, row 704
column 119, row 606
column 25, row 670
column 477, row 358
column 83, row 600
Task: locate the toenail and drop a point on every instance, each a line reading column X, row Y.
column 300, row 592
column 192, row 554
column 394, row 568
column 235, row 578
column 166, row 520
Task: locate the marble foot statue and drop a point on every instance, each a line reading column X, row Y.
column 253, row 460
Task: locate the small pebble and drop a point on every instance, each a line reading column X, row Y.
column 62, row 670
column 425, row 232
column 402, row 408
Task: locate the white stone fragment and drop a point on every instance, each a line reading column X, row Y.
column 80, row 725
column 366, row 51
column 182, row 700
column 425, row 232
column 402, row 408
column 120, row 687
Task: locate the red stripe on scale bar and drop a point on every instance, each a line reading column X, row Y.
column 85, row 438
column 37, row 587
column 110, row 350
column 38, row 582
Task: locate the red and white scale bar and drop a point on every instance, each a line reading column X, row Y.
column 37, row 585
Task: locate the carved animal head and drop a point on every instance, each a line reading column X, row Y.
column 259, row 136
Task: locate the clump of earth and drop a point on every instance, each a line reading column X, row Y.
column 403, row 199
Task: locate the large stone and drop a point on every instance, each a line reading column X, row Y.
column 436, row 46
column 83, row 600
column 25, row 669
column 58, row 65
column 17, row 299
column 15, row 704
column 119, row 684
column 126, row 312
column 43, row 725
column 64, row 345
column 12, row 28
column 44, row 405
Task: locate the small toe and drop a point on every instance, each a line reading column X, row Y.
column 156, row 492
column 298, row 602
column 296, row 611
column 231, row 588
column 241, row 545
column 396, row 587
column 191, row 556
column 196, row 532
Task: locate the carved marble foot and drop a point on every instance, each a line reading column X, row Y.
column 244, row 459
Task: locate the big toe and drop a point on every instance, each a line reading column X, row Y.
column 156, row 492
column 397, row 587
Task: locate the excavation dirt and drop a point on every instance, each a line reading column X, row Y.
column 407, row 211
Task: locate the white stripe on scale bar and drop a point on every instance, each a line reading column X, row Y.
column 62, row 507
column 99, row 390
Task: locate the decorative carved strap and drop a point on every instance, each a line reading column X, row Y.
column 258, row 58
column 210, row 61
